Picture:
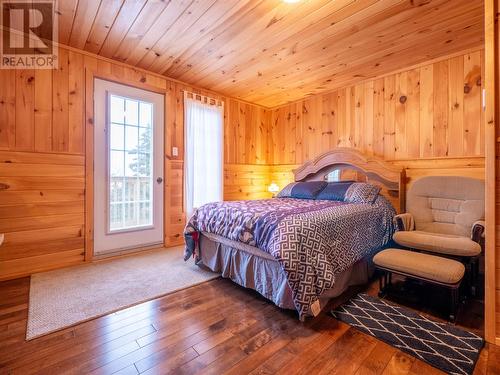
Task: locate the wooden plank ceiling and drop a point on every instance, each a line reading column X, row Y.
column 267, row 51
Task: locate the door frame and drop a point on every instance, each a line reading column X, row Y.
column 491, row 109
column 90, row 75
column 127, row 238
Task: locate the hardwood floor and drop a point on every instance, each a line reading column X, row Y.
column 213, row 328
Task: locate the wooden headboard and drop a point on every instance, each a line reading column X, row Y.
column 377, row 171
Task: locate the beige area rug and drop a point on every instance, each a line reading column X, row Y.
column 61, row 298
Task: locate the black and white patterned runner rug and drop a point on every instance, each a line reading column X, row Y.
column 442, row 345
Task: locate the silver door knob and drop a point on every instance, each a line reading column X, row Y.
column 159, row 180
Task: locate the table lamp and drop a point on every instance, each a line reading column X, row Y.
column 273, row 188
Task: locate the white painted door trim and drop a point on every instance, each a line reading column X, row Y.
column 104, row 240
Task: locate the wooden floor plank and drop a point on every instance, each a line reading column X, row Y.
column 212, row 328
column 88, row 361
column 493, row 359
column 174, row 344
column 400, row 363
column 130, row 370
column 377, row 360
column 168, row 364
column 482, row 363
column 309, row 354
column 84, row 336
column 344, row 356
column 420, row 367
column 178, row 342
column 81, row 355
column 302, row 338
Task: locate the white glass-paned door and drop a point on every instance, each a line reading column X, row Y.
column 128, row 167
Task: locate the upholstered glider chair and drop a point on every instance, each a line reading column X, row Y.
column 445, row 217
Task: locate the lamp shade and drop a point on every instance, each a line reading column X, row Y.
column 273, row 188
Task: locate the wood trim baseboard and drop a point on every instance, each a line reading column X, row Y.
column 127, row 252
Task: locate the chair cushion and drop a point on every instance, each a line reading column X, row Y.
column 446, row 204
column 430, row 267
column 438, row 243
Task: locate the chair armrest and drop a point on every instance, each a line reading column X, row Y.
column 404, row 222
column 478, row 231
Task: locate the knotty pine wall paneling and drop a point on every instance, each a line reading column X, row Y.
column 432, row 111
column 43, row 157
column 428, row 119
column 41, row 211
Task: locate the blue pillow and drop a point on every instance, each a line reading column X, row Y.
column 334, row 191
column 302, row 190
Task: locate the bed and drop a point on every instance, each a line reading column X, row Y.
column 296, row 252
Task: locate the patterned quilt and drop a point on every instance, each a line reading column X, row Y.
column 313, row 240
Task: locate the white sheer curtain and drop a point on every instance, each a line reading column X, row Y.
column 203, row 152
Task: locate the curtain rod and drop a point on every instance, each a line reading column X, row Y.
column 203, row 98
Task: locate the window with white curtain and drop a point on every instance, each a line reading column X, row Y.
column 204, row 124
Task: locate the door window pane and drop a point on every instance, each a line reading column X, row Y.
column 116, row 191
column 131, row 138
column 145, row 114
column 145, row 190
column 143, row 165
column 116, row 214
column 116, row 163
column 130, row 164
column 144, row 213
column 117, row 137
column 117, row 109
column 132, row 112
column 145, row 140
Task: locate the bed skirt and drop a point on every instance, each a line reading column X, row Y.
column 252, row 268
